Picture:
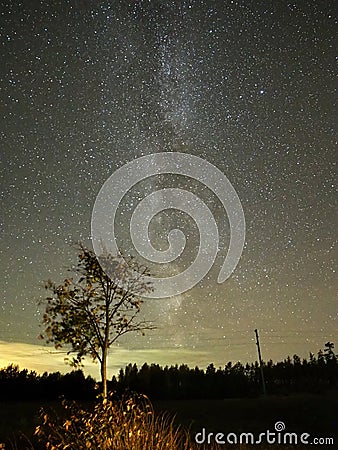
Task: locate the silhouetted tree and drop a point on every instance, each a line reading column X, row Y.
column 328, row 351
column 93, row 310
column 16, row 384
column 331, row 363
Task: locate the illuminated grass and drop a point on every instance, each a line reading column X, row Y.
column 128, row 423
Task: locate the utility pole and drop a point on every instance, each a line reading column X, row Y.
column 260, row 362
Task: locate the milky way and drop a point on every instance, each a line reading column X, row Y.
column 248, row 86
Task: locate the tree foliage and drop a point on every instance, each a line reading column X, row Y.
column 91, row 311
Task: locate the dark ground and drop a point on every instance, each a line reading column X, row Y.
column 310, row 413
column 313, row 414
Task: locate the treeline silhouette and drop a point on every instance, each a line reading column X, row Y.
column 315, row 375
column 16, row 384
column 234, row 380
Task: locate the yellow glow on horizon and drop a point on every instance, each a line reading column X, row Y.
column 46, row 359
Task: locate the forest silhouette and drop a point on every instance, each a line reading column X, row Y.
column 313, row 375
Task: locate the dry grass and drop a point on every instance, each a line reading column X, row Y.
column 118, row 424
column 128, row 423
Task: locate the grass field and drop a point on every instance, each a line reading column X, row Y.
column 313, row 414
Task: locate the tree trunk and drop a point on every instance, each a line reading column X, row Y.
column 104, row 374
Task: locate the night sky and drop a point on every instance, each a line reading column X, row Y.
column 248, row 86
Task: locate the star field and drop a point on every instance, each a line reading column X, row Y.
column 248, row 86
